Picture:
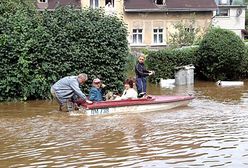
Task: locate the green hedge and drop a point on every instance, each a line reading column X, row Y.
column 221, row 56
column 37, row 49
column 163, row 62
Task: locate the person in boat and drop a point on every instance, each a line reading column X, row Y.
column 67, row 90
column 129, row 92
column 96, row 91
column 141, row 74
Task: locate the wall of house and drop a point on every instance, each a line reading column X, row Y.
column 231, row 22
column 118, row 6
column 166, row 21
column 149, row 21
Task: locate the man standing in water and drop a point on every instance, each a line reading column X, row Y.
column 141, row 74
column 66, row 91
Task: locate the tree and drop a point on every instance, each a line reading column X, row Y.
column 185, row 34
column 37, row 49
column 221, row 56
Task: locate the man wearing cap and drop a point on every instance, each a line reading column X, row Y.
column 67, row 90
column 96, row 92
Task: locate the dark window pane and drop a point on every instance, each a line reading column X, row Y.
column 222, row 12
column 160, row 38
column 135, row 38
column 140, row 38
column 96, row 3
column 155, row 38
column 160, row 2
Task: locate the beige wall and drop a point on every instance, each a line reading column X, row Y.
column 166, row 21
column 149, row 21
column 232, row 22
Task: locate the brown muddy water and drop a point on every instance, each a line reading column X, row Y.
column 211, row 132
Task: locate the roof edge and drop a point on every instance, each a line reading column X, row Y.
column 172, row 10
column 232, row 6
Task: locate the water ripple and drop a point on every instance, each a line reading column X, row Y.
column 205, row 134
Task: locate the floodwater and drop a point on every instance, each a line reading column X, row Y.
column 211, row 132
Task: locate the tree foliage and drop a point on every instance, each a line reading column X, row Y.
column 221, row 56
column 37, row 49
column 185, row 34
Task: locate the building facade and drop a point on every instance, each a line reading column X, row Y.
column 230, row 14
column 149, row 22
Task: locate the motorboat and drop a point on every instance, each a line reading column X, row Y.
column 137, row 105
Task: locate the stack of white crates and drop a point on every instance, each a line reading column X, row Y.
column 184, row 75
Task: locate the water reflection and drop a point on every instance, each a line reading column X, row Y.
column 210, row 132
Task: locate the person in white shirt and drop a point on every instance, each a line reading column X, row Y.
column 129, row 91
column 109, row 9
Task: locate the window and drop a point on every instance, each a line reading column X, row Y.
column 94, row 4
column 112, row 2
column 160, row 2
column 229, row 2
column 222, row 12
column 223, row 2
column 190, row 30
column 109, row 7
column 137, row 36
column 157, row 36
column 42, row 1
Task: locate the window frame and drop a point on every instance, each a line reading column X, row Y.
column 157, row 34
column 137, row 33
column 227, row 2
column 93, row 5
column 41, row 1
column 189, row 29
column 160, row 4
column 111, row 1
column 220, row 12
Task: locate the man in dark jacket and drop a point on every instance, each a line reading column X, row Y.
column 141, row 74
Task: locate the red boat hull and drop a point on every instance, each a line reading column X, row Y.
column 152, row 103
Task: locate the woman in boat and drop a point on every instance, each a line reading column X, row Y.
column 96, row 92
column 129, row 91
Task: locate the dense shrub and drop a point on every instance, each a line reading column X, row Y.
column 244, row 69
column 221, row 56
column 17, row 36
column 37, row 49
column 130, row 66
column 163, row 62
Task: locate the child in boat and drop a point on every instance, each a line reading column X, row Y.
column 129, row 91
column 96, row 92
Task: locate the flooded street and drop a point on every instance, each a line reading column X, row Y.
column 211, row 132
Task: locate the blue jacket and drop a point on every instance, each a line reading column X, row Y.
column 66, row 88
column 96, row 94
